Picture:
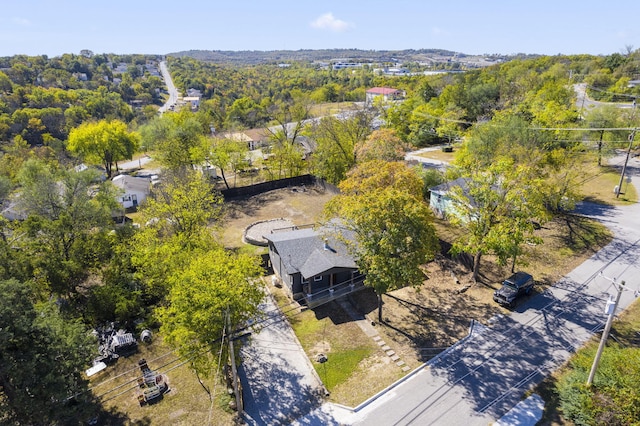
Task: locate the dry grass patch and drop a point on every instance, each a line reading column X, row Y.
column 438, row 154
column 599, row 182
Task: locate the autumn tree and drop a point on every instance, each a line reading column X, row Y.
column 381, row 144
column 393, row 228
column 103, row 142
column 496, row 207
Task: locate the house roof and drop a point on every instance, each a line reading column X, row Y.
column 382, row 90
column 131, row 183
column 250, row 135
column 444, row 188
column 310, row 252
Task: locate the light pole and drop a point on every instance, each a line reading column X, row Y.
column 611, row 311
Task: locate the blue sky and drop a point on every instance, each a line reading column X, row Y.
column 54, row 27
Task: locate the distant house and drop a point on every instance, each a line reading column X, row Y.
column 310, row 264
column 387, row 94
column 254, row 138
column 440, row 199
column 134, row 190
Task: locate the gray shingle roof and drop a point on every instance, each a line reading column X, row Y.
column 304, row 251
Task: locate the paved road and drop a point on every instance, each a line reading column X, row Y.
column 584, row 102
column 171, row 88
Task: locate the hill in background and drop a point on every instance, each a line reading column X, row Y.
column 254, row 57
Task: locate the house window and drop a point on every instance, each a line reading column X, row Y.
column 126, row 198
column 317, row 278
column 305, row 280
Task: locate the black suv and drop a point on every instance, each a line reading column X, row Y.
column 513, row 287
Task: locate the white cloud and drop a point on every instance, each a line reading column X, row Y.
column 21, row 21
column 329, row 22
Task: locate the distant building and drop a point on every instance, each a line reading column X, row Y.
column 387, row 94
column 134, row 190
column 343, row 65
column 254, row 138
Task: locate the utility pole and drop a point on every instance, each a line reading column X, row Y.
column 626, row 160
column 234, row 372
column 611, row 310
column 631, row 136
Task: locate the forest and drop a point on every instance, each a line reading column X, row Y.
column 67, row 267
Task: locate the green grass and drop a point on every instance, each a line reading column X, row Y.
column 340, row 365
column 327, row 329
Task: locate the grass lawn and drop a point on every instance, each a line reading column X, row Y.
column 599, row 183
column 356, row 368
column 438, row 154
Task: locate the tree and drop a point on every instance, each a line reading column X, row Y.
column 601, row 118
column 291, row 117
column 215, row 288
column 336, row 140
column 377, row 175
column 65, row 233
column 496, row 209
column 381, row 144
column 41, row 356
column 104, row 142
column 227, row 153
column 180, row 218
column 179, row 139
column 393, row 228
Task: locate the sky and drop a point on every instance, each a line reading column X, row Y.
column 474, row 27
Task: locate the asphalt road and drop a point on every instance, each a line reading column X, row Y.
column 171, row 88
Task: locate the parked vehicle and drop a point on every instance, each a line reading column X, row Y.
column 512, row 288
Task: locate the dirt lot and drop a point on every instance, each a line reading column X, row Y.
column 419, row 323
column 301, row 205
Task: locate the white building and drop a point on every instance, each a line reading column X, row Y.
column 134, row 190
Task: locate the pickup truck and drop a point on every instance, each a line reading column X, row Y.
column 512, row 288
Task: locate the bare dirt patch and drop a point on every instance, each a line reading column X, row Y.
column 301, row 205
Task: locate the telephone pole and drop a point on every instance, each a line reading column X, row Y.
column 631, row 137
column 626, row 160
column 611, row 310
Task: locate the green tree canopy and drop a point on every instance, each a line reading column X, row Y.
column 35, row 339
column 395, row 237
column 179, row 139
column 212, row 286
column 104, row 142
